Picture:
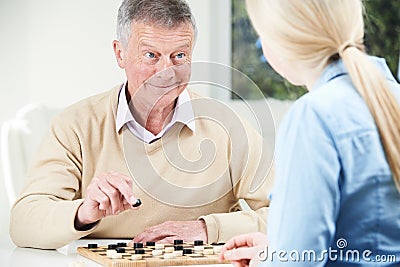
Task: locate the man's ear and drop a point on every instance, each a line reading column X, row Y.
column 119, row 53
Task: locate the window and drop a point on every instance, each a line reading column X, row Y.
column 382, row 39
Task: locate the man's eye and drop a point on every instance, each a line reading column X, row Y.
column 150, row 55
column 180, row 56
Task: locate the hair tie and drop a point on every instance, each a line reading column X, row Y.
column 344, row 46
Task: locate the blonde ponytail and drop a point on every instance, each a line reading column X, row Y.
column 382, row 104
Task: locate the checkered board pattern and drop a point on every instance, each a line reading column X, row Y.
column 120, row 255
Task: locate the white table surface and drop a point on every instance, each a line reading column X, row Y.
column 10, row 255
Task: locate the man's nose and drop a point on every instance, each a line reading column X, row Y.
column 166, row 69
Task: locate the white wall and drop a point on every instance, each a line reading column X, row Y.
column 53, row 52
column 56, row 51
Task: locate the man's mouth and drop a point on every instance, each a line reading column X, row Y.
column 163, row 86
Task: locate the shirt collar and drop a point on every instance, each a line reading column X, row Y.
column 338, row 68
column 183, row 111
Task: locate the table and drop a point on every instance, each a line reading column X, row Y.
column 12, row 256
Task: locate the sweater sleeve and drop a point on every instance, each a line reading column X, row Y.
column 252, row 180
column 43, row 216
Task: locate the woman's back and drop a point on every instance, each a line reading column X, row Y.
column 339, row 193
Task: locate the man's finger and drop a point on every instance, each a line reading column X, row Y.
column 128, row 207
column 150, row 235
column 127, row 179
column 154, row 230
column 113, row 195
column 101, row 198
column 168, row 239
column 120, row 183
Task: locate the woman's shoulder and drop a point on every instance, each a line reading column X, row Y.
column 336, row 106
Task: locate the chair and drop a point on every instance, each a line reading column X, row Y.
column 20, row 138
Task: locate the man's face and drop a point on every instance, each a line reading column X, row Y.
column 157, row 62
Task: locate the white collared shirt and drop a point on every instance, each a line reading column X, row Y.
column 183, row 113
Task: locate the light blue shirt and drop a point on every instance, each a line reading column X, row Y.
column 334, row 190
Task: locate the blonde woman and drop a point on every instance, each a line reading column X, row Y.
column 336, row 201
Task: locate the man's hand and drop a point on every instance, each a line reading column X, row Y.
column 107, row 194
column 167, row 232
column 243, row 250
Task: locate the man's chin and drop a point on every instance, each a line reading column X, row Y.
column 163, row 97
column 166, row 100
column 168, row 93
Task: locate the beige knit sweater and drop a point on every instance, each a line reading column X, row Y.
column 83, row 143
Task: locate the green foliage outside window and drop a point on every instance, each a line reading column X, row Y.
column 382, row 38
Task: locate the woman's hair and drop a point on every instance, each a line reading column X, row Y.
column 316, row 32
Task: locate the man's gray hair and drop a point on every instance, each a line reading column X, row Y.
column 163, row 13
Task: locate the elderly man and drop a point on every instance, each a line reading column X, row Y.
column 105, row 152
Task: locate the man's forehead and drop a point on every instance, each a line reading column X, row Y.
column 153, row 36
column 183, row 29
